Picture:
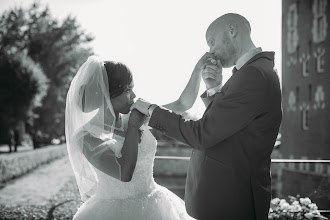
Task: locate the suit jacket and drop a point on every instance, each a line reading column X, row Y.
column 229, row 169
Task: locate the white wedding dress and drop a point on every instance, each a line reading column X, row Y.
column 140, row 199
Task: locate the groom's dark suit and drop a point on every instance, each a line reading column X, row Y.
column 229, row 169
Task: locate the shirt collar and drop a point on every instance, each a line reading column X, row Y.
column 247, row 56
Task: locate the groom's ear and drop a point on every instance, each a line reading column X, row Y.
column 232, row 30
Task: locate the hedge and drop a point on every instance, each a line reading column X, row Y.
column 17, row 164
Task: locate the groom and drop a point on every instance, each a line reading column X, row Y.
column 229, row 170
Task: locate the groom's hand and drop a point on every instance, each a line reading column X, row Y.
column 211, row 70
column 142, row 106
column 212, row 74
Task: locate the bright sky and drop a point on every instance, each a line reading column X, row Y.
column 162, row 40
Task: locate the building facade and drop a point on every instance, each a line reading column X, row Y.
column 305, row 126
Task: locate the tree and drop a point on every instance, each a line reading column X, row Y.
column 58, row 47
column 23, row 85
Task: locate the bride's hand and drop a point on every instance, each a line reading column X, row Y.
column 136, row 119
column 205, row 60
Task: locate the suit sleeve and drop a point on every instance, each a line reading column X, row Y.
column 207, row 99
column 230, row 112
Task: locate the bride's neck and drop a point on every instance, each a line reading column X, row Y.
column 117, row 117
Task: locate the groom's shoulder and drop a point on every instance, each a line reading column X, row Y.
column 261, row 59
column 262, row 63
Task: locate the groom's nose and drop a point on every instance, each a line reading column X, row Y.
column 211, row 51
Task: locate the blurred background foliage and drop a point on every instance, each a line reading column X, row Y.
column 39, row 55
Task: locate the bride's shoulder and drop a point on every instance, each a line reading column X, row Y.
column 81, row 133
column 91, row 132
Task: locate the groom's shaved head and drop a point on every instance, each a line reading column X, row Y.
column 227, row 37
column 236, row 20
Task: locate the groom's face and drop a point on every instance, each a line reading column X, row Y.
column 220, row 45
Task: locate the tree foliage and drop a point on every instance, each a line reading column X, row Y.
column 58, row 47
column 23, row 86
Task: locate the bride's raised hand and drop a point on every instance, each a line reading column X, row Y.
column 206, row 59
column 189, row 94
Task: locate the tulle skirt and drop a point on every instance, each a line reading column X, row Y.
column 160, row 204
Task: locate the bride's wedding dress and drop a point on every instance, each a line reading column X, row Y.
column 140, row 199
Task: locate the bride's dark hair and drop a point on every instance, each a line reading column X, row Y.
column 119, row 77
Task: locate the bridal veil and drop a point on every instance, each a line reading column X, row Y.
column 88, row 111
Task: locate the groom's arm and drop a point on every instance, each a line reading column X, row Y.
column 208, row 96
column 206, row 99
column 229, row 113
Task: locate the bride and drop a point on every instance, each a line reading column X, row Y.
column 111, row 151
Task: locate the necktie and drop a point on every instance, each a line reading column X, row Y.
column 234, row 70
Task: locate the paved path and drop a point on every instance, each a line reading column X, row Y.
column 38, row 186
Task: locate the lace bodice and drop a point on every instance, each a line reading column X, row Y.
column 142, row 181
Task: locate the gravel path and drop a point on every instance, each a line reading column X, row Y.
column 49, row 192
